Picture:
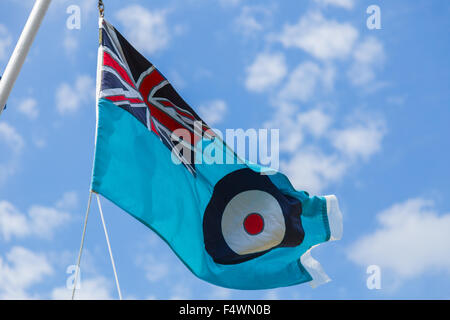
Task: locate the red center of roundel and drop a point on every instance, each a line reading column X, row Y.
column 253, row 223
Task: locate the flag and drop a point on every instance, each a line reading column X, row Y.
column 232, row 224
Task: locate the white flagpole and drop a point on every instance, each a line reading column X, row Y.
column 21, row 51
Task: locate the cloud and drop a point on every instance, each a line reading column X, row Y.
column 303, row 133
column 28, row 108
column 324, row 39
column 68, row 201
column 360, row 140
column 312, row 170
column 146, row 30
column 20, row 270
column 411, row 239
column 368, row 55
column 346, row 4
column 69, row 98
column 70, row 43
column 96, row 288
column 304, row 80
column 5, row 42
column 39, row 222
column 266, row 71
column 315, row 121
column 11, row 146
column 294, row 125
column 213, row 111
column 156, row 268
column 12, row 222
column 253, row 19
column 11, row 137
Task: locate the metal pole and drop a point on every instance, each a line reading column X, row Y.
column 21, row 51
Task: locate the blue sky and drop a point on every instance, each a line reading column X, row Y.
column 362, row 114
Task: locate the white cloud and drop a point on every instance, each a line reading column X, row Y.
column 266, row 71
column 314, row 121
column 11, row 137
column 5, row 42
column 284, row 119
column 70, row 98
column 307, row 165
column 322, row 38
column 96, row 288
column 68, row 201
column 253, row 19
column 213, row 112
column 11, row 146
column 12, row 222
column 40, row 221
column 360, row 140
column 304, row 80
column 303, row 133
column 368, row 55
column 304, row 130
column 70, row 43
column 294, row 125
column 411, row 239
column 28, row 107
column 43, row 221
column 20, row 270
column 146, row 30
column 155, row 269
column 369, row 51
column 346, row 4
column 312, row 170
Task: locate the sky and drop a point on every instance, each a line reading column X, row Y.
column 363, row 113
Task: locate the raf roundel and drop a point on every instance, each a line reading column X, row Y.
column 244, row 230
column 248, row 216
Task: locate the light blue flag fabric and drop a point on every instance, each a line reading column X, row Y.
column 232, row 225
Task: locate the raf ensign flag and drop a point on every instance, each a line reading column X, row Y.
column 231, row 223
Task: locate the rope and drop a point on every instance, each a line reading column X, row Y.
column 109, row 247
column 82, row 245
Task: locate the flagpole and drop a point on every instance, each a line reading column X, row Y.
column 21, row 51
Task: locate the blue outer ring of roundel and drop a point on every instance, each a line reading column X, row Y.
column 225, row 190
